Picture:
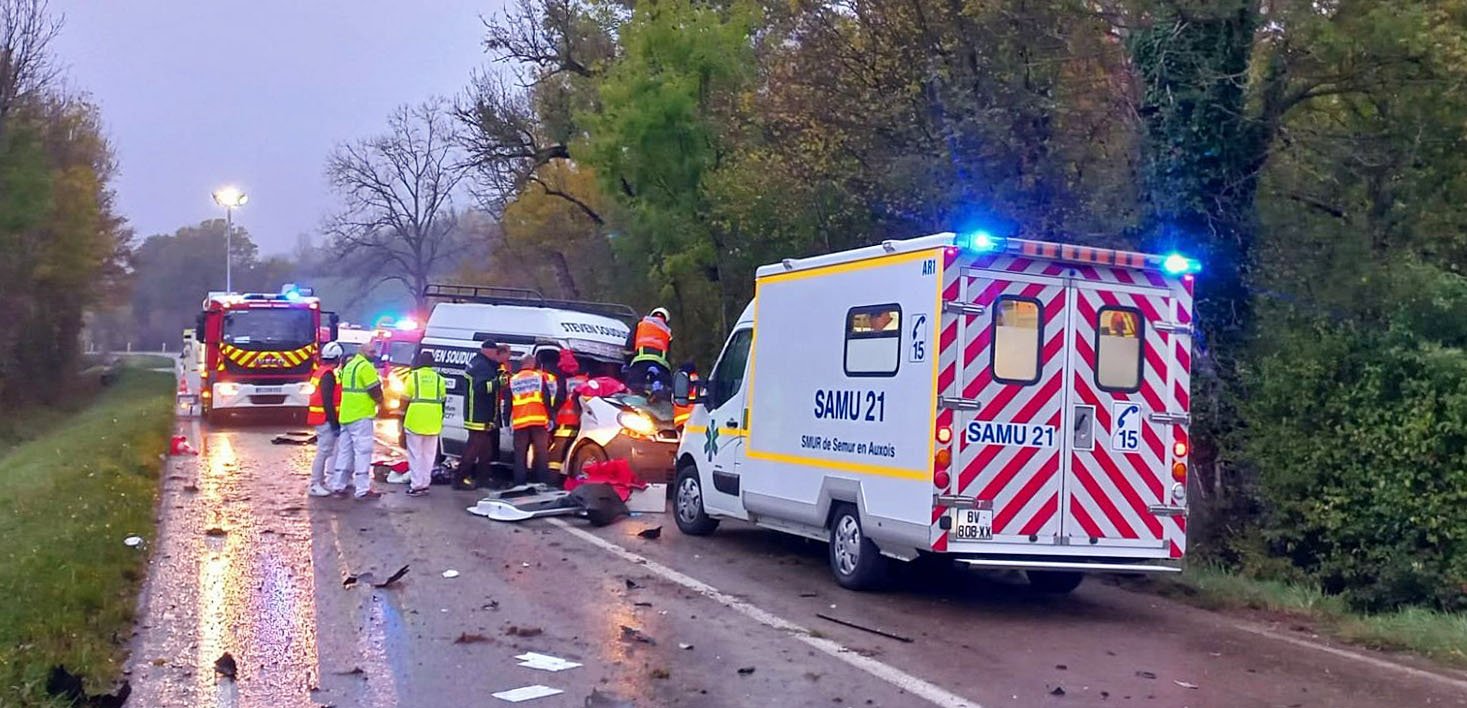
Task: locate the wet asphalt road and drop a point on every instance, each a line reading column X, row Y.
column 247, row 564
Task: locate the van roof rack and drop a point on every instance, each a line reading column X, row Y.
column 522, row 297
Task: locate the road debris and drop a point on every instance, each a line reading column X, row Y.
column 661, row 674
column 641, row 604
column 466, row 638
column 684, row 646
column 298, row 437
column 527, row 693
column 1146, row 674
column 515, row 631
column 69, row 687
column 1057, row 691
column 597, row 699
column 651, row 534
column 191, row 488
column 873, row 630
column 632, row 584
column 392, row 578
column 632, row 634
column 1184, row 684
column 354, row 671
column 545, row 662
column 132, row 541
column 450, row 573
column 216, row 532
column 746, row 671
column 226, row 666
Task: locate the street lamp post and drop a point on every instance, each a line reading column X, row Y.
column 230, row 198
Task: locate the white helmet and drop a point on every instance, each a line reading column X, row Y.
column 660, row 312
column 331, row 352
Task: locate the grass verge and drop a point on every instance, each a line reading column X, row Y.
column 68, row 498
column 1441, row 636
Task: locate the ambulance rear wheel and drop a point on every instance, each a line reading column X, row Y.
column 687, row 503
column 854, row 558
column 1054, row 582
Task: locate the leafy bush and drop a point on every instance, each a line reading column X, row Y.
column 1358, row 431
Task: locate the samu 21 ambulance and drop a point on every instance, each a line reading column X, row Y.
column 1012, row 404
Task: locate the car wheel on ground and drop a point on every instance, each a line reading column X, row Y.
column 854, row 559
column 1054, row 582
column 588, row 453
column 687, row 503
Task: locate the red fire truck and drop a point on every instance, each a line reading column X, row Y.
column 259, row 349
column 397, row 344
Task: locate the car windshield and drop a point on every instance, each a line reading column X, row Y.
column 401, row 352
column 275, row 326
column 659, row 409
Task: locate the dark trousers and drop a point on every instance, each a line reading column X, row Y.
column 560, row 444
column 479, row 455
column 538, row 438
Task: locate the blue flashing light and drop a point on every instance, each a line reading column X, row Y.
column 293, row 295
column 1178, row 264
column 979, row 242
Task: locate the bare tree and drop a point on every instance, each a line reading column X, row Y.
column 397, row 221
column 27, row 29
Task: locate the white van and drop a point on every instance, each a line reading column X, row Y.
column 1012, row 404
column 527, row 322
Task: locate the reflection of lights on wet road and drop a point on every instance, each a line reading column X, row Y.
column 256, row 584
column 372, row 646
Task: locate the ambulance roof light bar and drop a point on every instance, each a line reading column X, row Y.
column 983, row 242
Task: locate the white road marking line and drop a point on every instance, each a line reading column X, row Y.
column 1362, row 658
column 890, row 674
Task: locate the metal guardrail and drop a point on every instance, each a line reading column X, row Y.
column 523, row 297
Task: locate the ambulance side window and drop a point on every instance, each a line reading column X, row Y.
column 873, row 340
column 1017, row 336
column 728, row 376
column 1118, row 355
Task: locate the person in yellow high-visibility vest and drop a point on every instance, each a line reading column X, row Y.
column 361, row 394
column 424, row 392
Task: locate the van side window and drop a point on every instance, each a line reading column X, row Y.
column 1017, row 336
column 1118, row 358
column 873, row 340
column 728, row 376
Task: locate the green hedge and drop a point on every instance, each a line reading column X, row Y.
column 1359, row 436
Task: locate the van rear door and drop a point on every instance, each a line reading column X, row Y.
column 1122, row 358
column 1012, row 340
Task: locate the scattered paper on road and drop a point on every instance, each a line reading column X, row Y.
column 527, row 693
column 545, row 662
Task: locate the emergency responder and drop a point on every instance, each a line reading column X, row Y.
column 649, row 342
column 532, row 397
column 682, row 412
column 568, row 414
column 425, row 392
column 361, row 396
column 322, row 414
column 482, row 379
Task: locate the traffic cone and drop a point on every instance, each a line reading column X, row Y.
column 180, row 446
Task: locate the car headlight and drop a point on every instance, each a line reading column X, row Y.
column 396, row 385
column 636, row 423
column 225, row 388
column 308, row 388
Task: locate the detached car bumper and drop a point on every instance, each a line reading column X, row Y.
column 653, row 461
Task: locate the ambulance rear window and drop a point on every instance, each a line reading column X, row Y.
column 1118, row 356
column 873, row 340
column 1017, row 333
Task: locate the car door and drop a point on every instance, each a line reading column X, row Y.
column 723, row 446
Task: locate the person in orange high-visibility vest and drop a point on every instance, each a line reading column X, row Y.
column 568, row 414
column 650, row 342
column 682, row 412
column 532, row 398
column 322, row 413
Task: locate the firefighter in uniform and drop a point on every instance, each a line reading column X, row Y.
column 361, row 395
column 682, row 412
column 648, row 370
column 568, row 414
column 483, row 378
column 322, row 414
column 532, row 397
column 423, row 421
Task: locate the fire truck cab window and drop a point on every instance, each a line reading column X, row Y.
column 282, row 326
column 401, row 353
column 873, row 340
column 1017, row 334
column 1118, row 349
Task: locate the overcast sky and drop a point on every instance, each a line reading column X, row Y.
column 197, row 94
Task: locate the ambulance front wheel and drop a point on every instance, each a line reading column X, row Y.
column 691, row 518
column 854, row 558
column 1054, row 582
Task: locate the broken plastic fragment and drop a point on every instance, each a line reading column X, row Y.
column 526, row 693
column 132, row 541
column 545, row 662
column 450, row 573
